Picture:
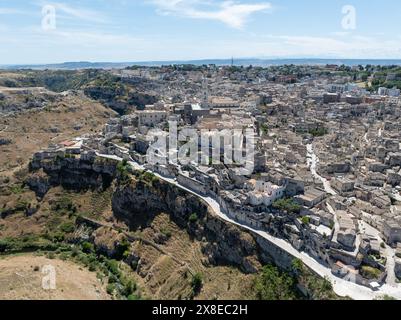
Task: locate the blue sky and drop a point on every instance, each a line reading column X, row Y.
column 143, row 30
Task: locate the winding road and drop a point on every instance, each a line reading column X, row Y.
column 312, row 162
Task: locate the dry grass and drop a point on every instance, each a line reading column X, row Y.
column 166, row 279
column 30, row 131
column 92, row 204
column 21, row 278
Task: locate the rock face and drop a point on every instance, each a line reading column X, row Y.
column 39, row 182
column 119, row 98
column 10, row 106
column 226, row 243
column 71, row 173
column 106, row 240
column 141, row 201
column 138, row 203
column 397, row 268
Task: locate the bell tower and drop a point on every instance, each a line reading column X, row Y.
column 205, row 94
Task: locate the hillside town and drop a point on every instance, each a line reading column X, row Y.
column 326, row 162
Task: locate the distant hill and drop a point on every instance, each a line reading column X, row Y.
column 219, row 62
column 69, row 66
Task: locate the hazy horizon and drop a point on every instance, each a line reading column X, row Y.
column 237, row 62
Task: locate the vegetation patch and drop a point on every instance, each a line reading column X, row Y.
column 370, row 272
column 272, row 284
column 287, row 205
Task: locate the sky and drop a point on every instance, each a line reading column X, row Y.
column 40, row 31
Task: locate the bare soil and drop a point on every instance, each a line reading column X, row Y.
column 21, row 279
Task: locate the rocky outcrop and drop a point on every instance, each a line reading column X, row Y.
column 119, row 98
column 139, row 202
column 39, row 182
column 223, row 243
column 71, row 174
column 107, row 240
column 227, row 244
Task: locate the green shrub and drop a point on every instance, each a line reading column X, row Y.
column 28, row 242
column 149, row 177
column 51, row 255
column 112, row 266
column 83, row 259
column 57, row 236
column 193, row 218
column 64, row 256
column 297, row 265
column 129, row 287
column 196, row 283
column 166, row 232
column 88, row 247
column 123, row 171
column 92, row 267
column 22, row 205
column 17, row 189
column 275, row 285
column 112, row 278
column 74, row 252
column 319, row 132
column 288, row 205
column 122, row 250
column 64, row 206
column 67, row 227
column 305, row 220
column 370, row 272
column 111, row 288
column 264, row 128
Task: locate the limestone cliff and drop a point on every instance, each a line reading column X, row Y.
column 223, row 243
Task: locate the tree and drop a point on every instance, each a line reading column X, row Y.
column 196, row 283
column 275, row 285
column 122, row 169
column 288, row 205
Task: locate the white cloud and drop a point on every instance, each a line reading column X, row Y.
column 233, row 14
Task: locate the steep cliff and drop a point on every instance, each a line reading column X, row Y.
column 139, row 202
column 71, row 174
